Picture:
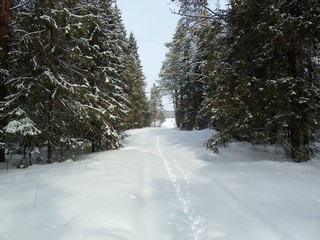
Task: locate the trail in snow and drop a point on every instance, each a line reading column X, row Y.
column 181, row 188
column 163, row 186
column 272, row 229
column 175, row 160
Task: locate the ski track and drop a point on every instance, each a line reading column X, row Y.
column 147, row 208
column 178, row 178
column 266, row 223
column 180, row 183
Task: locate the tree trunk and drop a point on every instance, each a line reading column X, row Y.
column 299, row 134
column 93, row 149
column 295, row 152
column 4, row 38
column 99, row 144
column 4, row 31
column 177, row 110
column 61, row 151
column 50, row 131
column 49, row 152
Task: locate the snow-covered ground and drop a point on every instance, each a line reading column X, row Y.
column 164, row 186
column 169, row 123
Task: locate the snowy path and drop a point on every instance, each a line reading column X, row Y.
column 194, row 223
column 163, row 186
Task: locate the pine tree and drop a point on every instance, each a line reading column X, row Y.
column 181, row 74
column 174, row 70
column 169, row 76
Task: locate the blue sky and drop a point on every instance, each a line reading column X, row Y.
column 153, row 24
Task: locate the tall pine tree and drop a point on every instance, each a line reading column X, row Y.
column 182, row 71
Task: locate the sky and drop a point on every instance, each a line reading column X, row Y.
column 153, row 24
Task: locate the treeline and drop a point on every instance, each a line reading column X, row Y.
column 69, row 74
column 250, row 70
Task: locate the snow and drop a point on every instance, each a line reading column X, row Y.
column 24, row 126
column 169, row 123
column 164, row 186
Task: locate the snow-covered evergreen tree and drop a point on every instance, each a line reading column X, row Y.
column 65, row 66
column 169, row 75
column 138, row 113
column 106, row 103
column 269, row 92
column 181, row 74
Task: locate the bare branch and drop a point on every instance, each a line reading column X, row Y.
column 19, row 5
column 213, row 14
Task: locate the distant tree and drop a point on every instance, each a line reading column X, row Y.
column 156, row 107
column 181, row 73
column 175, row 71
column 169, row 76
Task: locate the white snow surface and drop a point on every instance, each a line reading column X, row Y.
column 164, row 186
column 169, row 123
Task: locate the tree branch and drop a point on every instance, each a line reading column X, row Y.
column 213, row 14
column 19, row 5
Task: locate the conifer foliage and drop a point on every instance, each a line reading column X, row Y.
column 138, row 113
column 156, row 107
column 260, row 72
column 65, row 76
column 180, row 75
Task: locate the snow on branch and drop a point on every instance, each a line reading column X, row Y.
column 24, row 126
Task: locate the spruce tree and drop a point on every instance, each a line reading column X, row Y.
column 39, row 87
column 107, row 105
column 65, row 63
column 138, row 112
column 67, row 68
column 268, row 93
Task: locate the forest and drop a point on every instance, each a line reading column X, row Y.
column 71, row 76
column 249, row 70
